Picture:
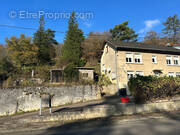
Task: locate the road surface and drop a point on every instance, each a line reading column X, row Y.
column 114, row 126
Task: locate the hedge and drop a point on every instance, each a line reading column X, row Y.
column 151, row 88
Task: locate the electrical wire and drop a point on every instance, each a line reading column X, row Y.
column 62, row 32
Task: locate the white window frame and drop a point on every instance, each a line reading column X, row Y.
column 176, row 58
column 113, row 75
column 130, row 74
column 169, row 59
column 141, row 73
column 138, row 57
column 128, row 57
column 177, row 74
column 155, row 59
column 171, row 74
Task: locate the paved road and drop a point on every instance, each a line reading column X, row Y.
column 109, row 126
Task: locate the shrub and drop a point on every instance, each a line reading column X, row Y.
column 104, row 81
column 43, row 72
column 6, row 68
column 27, row 82
column 150, row 88
column 71, row 73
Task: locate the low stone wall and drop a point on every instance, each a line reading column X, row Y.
column 131, row 108
column 28, row 99
column 110, row 89
column 99, row 111
column 64, row 117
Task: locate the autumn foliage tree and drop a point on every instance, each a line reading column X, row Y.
column 152, row 37
column 5, row 64
column 6, row 68
column 92, row 47
column 2, row 51
column 21, row 51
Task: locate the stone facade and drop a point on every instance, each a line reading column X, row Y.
column 86, row 74
column 28, row 99
column 146, row 67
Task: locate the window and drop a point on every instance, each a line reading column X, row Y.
column 157, row 72
column 109, row 70
column 129, row 57
column 84, row 74
column 130, row 74
column 141, row 73
column 177, row 74
column 154, row 60
column 176, row 60
column 113, row 76
column 138, row 58
column 171, row 74
column 168, row 60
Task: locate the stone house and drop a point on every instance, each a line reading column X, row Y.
column 120, row 61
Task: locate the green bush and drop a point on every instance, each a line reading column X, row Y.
column 43, row 72
column 104, row 81
column 71, row 73
column 27, row 82
column 150, row 88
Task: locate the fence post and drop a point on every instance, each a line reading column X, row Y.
column 40, row 111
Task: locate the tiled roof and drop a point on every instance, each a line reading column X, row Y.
column 142, row 47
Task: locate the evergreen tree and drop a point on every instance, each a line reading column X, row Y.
column 44, row 40
column 71, row 51
column 172, row 28
column 123, row 32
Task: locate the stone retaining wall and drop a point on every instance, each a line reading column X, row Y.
column 106, row 111
column 28, row 99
